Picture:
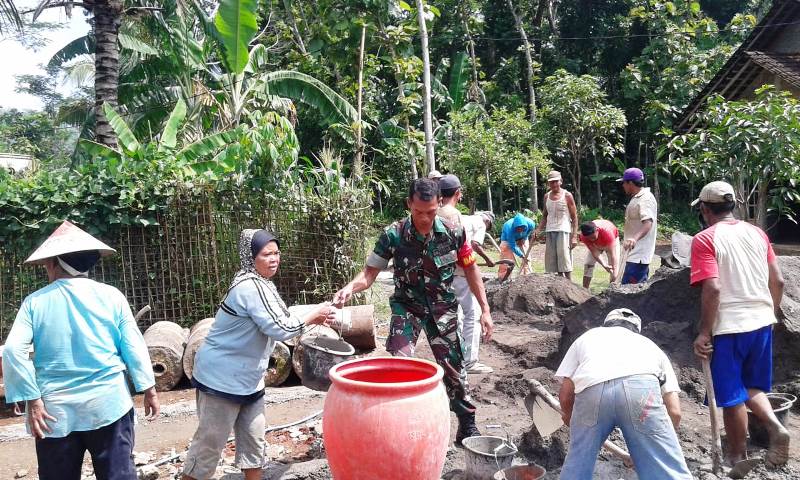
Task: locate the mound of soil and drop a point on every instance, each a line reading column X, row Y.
column 529, row 310
column 670, row 309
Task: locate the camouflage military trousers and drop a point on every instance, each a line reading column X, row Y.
column 406, row 324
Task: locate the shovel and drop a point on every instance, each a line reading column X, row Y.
column 742, row 467
column 546, row 414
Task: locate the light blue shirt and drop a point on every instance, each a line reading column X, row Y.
column 84, row 337
column 510, row 235
column 235, row 355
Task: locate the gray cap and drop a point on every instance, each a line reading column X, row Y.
column 449, row 182
column 435, row 175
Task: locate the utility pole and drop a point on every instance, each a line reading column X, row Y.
column 430, row 159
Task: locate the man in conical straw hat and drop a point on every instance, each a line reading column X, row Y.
column 85, row 338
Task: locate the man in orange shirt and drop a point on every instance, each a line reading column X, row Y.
column 600, row 236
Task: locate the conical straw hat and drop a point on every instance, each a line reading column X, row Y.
column 67, row 239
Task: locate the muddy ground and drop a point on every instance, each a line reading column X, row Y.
column 536, row 319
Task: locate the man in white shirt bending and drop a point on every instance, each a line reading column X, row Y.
column 615, row 377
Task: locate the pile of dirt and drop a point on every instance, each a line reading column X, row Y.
column 528, row 313
column 670, row 309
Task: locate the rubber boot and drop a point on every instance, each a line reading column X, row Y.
column 466, row 427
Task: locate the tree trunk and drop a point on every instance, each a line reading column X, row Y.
column 298, row 38
column 488, row 192
column 597, row 175
column 478, row 96
column 500, row 200
column 358, row 159
column 529, row 73
column 107, row 18
column 761, row 204
column 534, row 190
column 656, row 184
column 528, row 61
column 430, row 159
column 576, row 182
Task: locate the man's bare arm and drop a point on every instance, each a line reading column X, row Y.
column 709, row 307
column 566, row 397
column 363, row 281
column 475, row 282
column 776, row 286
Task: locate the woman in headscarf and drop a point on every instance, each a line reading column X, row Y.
column 229, row 368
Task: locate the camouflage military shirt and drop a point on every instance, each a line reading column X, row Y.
column 423, row 266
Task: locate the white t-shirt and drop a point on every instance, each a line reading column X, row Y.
column 738, row 254
column 606, row 353
column 641, row 207
column 474, row 227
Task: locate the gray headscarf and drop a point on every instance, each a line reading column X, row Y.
column 251, row 241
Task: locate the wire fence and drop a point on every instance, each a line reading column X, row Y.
column 183, row 266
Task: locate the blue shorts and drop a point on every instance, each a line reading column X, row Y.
column 635, row 273
column 741, row 361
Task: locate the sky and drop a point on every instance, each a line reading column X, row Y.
column 18, row 59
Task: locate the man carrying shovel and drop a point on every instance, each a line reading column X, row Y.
column 426, row 251
column 742, row 286
column 615, row 377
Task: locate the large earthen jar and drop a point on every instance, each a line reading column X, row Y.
column 386, row 418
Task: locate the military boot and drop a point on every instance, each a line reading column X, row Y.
column 466, row 427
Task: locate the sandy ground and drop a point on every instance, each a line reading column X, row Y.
column 514, row 353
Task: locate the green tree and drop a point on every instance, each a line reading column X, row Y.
column 491, row 150
column 755, row 144
column 576, row 119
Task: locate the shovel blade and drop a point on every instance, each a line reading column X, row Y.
column 546, row 419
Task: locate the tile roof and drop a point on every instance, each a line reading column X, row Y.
column 784, row 65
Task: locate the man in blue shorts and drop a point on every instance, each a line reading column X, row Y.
column 742, row 284
column 641, row 216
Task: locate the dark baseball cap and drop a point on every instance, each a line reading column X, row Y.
column 449, row 182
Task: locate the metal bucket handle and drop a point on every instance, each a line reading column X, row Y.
column 507, row 442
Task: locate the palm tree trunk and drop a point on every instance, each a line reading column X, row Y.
column 430, row 159
column 107, row 18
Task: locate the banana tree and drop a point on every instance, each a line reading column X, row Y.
column 268, row 148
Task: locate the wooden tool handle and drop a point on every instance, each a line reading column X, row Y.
column 537, row 388
column 716, row 446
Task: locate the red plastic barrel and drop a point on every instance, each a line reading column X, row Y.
column 386, row 418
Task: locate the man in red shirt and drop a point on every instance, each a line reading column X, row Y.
column 742, row 284
column 600, row 236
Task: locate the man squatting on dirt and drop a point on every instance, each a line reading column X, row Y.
column 735, row 265
column 612, row 376
column 426, row 250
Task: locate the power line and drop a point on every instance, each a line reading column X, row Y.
column 632, row 35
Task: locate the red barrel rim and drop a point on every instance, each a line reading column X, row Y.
column 337, row 377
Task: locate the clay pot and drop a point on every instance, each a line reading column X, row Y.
column 386, row 418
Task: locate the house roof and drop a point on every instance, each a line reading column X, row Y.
column 752, row 57
column 784, row 65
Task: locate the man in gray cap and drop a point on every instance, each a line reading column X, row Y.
column 560, row 224
column 469, row 319
column 733, row 262
column 615, row 377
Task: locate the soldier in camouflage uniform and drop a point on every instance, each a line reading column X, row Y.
column 426, row 250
